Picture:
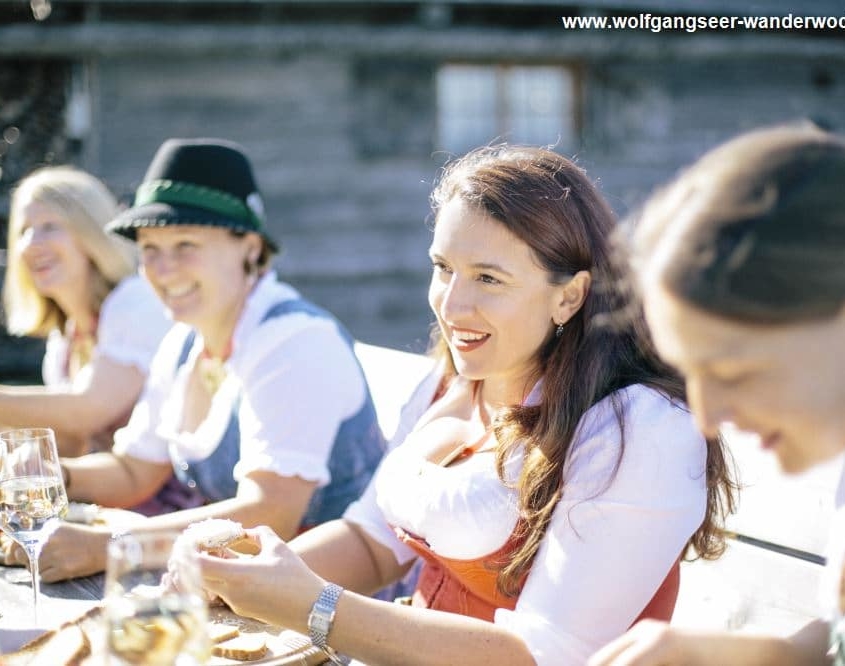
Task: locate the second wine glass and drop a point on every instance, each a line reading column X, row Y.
column 32, row 493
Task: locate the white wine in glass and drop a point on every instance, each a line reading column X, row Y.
column 32, row 493
column 155, row 611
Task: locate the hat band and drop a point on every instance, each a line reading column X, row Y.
column 176, row 193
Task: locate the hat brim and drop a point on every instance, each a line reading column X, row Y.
column 164, row 215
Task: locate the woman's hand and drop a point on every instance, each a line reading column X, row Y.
column 274, row 586
column 71, row 551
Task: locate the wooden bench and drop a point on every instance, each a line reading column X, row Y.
column 767, row 581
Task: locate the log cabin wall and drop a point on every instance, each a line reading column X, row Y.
column 343, row 107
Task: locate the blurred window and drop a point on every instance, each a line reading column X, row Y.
column 479, row 104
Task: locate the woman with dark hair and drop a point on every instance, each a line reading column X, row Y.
column 740, row 265
column 547, row 472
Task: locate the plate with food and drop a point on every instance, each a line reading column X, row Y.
column 233, row 639
column 13, row 638
column 237, row 639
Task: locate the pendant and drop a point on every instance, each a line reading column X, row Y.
column 212, row 373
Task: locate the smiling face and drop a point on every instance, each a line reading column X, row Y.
column 494, row 304
column 784, row 383
column 58, row 265
column 198, row 273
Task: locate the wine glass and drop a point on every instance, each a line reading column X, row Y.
column 32, row 493
column 155, row 610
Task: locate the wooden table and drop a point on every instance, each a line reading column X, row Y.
column 59, row 602
column 69, row 600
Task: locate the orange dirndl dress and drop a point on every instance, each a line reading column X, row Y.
column 468, row 587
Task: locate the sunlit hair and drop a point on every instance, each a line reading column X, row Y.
column 754, row 231
column 86, row 205
column 549, row 203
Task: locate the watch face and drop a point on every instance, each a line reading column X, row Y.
column 322, row 615
column 319, row 623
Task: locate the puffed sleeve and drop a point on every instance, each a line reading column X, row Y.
column 611, row 544
column 300, row 382
column 132, row 324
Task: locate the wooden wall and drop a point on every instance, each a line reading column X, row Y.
column 343, row 150
column 340, row 120
column 345, row 187
column 646, row 119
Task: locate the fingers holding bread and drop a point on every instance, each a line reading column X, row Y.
column 217, row 537
column 251, row 584
column 221, row 538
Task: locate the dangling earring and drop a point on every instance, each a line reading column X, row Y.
column 559, row 330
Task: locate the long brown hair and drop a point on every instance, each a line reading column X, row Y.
column 550, row 204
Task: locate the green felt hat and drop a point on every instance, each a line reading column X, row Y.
column 206, row 182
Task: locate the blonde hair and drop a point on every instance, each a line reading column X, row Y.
column 87, row 205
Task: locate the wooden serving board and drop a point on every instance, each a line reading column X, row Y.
column 285, row 647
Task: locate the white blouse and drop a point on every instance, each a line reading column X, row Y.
column 611, row 541
column 131, row 325
column 276, row 380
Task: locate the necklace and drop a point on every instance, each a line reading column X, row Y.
column 212, row 369
column 463, row 449
column 80, row 347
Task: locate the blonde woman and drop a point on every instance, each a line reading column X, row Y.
column 71, row 282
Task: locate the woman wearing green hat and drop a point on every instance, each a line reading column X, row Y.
column 255, row 398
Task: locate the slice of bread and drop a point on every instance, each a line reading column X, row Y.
column 66, row 646
column 246, row 647
column 222, row 631
column 220, row 537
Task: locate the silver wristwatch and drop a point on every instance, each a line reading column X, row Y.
column 322, row 615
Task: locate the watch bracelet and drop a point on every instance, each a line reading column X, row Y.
column 324, row 608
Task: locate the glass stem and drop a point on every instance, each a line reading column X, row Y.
column 33, row 552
